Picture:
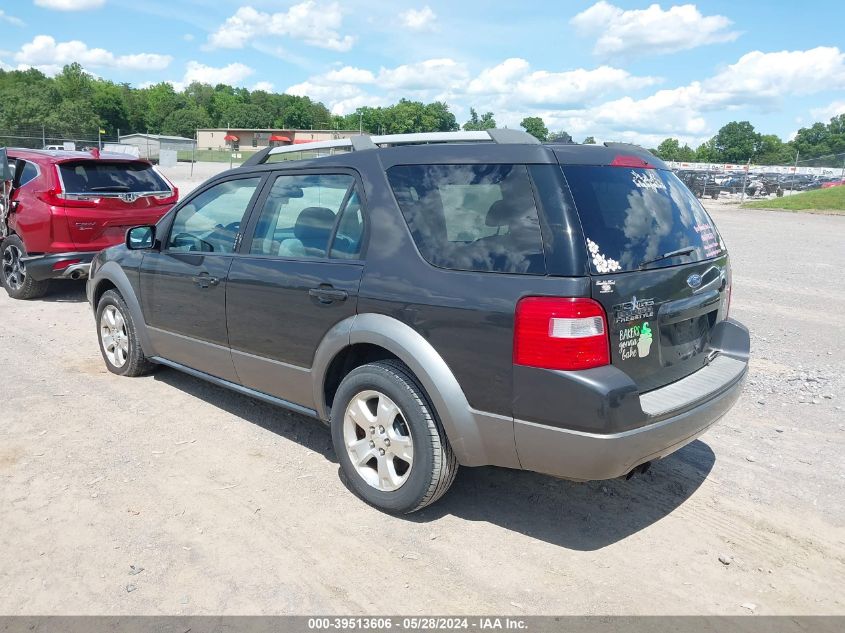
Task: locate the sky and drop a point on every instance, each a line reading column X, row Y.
column 616, row 70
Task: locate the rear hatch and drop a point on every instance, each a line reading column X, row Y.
column 103, row 198
column 659, row 268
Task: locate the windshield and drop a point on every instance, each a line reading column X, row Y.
column 105, row 177
column 635, row 217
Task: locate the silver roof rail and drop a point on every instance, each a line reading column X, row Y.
column 365, row 142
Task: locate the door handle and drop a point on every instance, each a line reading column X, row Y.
column 327, row 294
column 204, row 280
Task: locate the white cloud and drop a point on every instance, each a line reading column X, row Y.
column 826, row 113
column 514, row 80
column 431, row 74
column 757, row 79
column 232, row 74
column 315, row 24
column 350, row 75
column 188, row 37
column 44, row 53
column 70, row 5
column 651, row 30
column 512, row 83
column 266, row 86
column 418, row 19
column 10, row 19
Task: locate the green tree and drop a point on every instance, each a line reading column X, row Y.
column 668, row 149
column 671, row 149
column 186, row 121
column 476, row 123
column 535, row 126
column 560, row 137
column 589, row 141
column 161, row 102
column 737, row 142
column 107, row 101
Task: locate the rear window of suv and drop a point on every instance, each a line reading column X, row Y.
column 471, row 217
column 105, row 177
column 632, row 216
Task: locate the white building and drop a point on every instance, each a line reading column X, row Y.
column 149, row 145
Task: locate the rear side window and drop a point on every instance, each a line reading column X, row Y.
column 471, row 217
column 102, row 176
column 633, row 216
column 28, row 173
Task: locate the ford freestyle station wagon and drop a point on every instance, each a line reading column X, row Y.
column 466, row 298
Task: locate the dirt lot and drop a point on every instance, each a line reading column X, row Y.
column 225, row 505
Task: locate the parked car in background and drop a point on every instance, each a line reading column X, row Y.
column 66, row 206
column 469, row 298
column 833, row 183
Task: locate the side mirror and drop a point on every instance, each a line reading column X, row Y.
column 139, row 238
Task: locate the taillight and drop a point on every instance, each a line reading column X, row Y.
column 560, row 333
column 58, row 198
column 168, row 198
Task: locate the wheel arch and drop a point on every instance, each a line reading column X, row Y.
column 110, row 276
column 378, row 336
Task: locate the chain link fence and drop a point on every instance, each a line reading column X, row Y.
column 42, row 137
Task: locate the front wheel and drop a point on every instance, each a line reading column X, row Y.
column 13, row 274
column 392, row 449
column 118, row 338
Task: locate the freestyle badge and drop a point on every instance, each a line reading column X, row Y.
column 633, row 310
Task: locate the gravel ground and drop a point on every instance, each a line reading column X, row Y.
column 166, row 495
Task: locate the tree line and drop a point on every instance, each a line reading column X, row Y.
column 73, row 102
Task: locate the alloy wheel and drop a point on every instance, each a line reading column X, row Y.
column 14, row 270
column 114, row 336
column 378, row 440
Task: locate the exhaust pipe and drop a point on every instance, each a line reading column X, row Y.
column 76, row 274
column 642, row 469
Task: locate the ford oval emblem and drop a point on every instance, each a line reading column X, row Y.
column 694, row 280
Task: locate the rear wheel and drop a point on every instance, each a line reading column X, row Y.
column 13, row 275
column 118, row 338
column 393, row 451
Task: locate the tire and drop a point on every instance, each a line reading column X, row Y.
column 118, row 337
column 412, row 428
column 13, row 275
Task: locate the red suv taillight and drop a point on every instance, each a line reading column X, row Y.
column 560, row 333
column 168, row 198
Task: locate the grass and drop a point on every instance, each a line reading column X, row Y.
column 831, row 200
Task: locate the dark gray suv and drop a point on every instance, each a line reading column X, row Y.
column 442, row 299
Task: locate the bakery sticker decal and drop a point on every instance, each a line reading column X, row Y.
column 635, row 341
column 633, row 310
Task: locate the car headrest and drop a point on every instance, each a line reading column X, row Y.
column 502, row 214
column 314, row 224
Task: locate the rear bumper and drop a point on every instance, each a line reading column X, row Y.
column 42, row 267
column 666, row 419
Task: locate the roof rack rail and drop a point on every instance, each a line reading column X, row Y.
column 364, row 142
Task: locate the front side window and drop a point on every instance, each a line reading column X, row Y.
column 471, row 217
column 631, row 217
column 211, row 222
column 299, row 215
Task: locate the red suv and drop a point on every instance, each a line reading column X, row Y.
column 63, row 207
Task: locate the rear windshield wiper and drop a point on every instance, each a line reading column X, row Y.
column 681, row 251
column 121, row 188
